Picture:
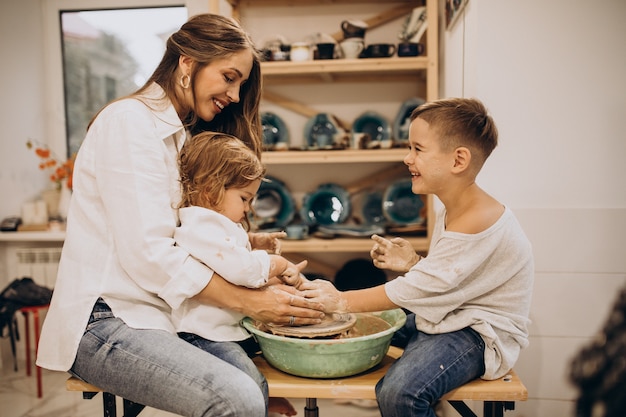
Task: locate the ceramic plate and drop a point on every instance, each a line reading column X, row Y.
column 275, row 131
column 372, row 208
column 366, row 230
column 400, row 205
column 375, row 125
column 403, row 118
column 331, row 325
column 320, row 131
column 273, row 205
column 329, row 204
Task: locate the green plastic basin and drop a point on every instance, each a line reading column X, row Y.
column 331, row 358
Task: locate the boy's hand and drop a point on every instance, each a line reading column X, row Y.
column 396, row 254
column 324, row 292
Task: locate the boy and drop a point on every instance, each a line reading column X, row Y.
column 469, row 299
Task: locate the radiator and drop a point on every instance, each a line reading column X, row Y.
column 41, row 264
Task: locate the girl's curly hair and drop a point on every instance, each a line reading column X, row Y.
column 210, row 163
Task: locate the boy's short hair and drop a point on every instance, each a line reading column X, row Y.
column 461, row 122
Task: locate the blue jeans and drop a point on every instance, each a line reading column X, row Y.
column 160, row 370
column 237, row 354
column 431, row 366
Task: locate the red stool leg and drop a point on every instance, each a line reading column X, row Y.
column 26, row 312
column 37, row 369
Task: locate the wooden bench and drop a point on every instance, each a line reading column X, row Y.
column 497, row 396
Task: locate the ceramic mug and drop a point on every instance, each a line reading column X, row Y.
column 410, row 49
column 353, row 28
column 325, row 51
column 300, row 51
column 297, row 231
column 359, row 140
column 380, row 50
column 352, row 48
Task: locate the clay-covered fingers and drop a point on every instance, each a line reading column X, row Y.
column 291, row 307
column 325, row 293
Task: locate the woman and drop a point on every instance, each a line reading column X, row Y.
column 120, row 273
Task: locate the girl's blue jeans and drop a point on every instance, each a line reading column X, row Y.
column 160, row 370
column 431, row 366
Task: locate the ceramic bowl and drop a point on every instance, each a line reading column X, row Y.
column 403, row 118
column 275, row 132
column 331, row 358
column 374, row 124
column 273, row 206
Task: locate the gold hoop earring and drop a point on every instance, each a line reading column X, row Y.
column 185, row 80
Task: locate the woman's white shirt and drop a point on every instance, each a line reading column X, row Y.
column 119, row 241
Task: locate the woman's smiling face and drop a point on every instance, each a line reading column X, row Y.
column 218, row 84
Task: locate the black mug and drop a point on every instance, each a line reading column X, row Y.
column 410, row 49
column 380, row 50
column 325, row 51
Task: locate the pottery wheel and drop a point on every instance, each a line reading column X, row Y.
column 331, row 325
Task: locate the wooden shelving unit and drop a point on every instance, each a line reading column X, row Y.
column 422, row 69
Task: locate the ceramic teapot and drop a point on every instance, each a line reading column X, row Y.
column 353, row 28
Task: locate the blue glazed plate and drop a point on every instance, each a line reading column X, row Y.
column 403, row 118
column 275, row 130
column 273, row 207
column 329, row 204
column 375, row 125
column 400, row 205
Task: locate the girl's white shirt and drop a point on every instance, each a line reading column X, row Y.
column 119, row 241
column 224, row 246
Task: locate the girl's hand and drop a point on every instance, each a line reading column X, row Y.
column 267, row 241
column 396, row 254
column 292, row 275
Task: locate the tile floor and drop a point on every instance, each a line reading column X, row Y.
column 18, row 398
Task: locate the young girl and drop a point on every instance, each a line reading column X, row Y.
column 220, row 176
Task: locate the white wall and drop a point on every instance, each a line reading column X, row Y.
column 21, row 102
column 552, row 74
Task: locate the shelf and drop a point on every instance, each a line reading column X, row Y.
column 301, row 166
column 32, row 236
column 343, row 245
column 237, row 3
column 333, row 157
column 328, row 69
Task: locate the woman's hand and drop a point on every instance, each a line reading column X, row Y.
column 283, row 304
column 267, row 241
column 277, row 303
column 325, row 293
column 396, row 254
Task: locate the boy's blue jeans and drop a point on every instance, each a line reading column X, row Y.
column 430, row 366
column 160, row 370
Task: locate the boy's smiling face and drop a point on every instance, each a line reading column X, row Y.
column 428, row 164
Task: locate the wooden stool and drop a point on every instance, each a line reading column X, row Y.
column 27, row 311
column 497, row 396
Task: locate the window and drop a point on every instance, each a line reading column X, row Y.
column 101, row 50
